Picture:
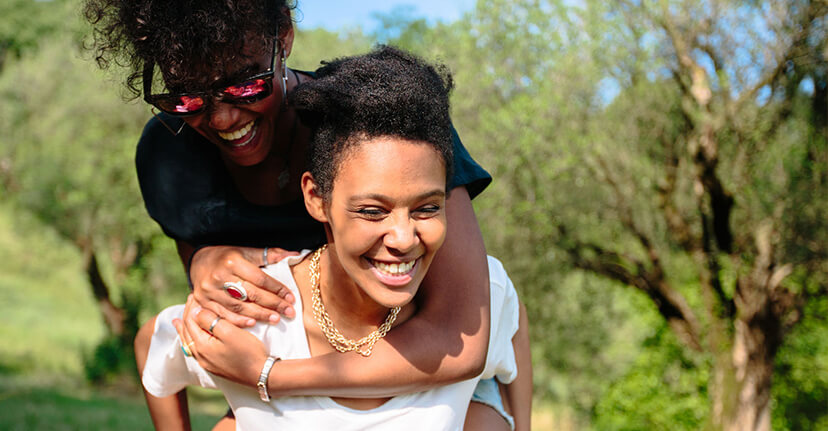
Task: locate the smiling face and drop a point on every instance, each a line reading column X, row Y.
column 386, row 217
column 245, row 133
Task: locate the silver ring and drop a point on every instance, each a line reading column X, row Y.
column 264, row 257
column 213, row 325
column 235, row 290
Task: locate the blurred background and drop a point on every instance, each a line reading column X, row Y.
column 660, row 201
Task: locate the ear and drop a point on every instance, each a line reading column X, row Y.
column 286, row 38
column 313, row 200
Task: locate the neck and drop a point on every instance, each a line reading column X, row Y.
column 345, row 327
column 349, row 307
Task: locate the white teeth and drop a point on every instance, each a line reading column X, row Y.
column 395, row 268
column 232, row 136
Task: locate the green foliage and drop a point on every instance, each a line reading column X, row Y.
column 67, row 163
column 70, row 147
column 578, row 113
column 800, row 387
column 109, row 359
column 311, row 46
column 25, row 24
column 521, row 114
column 664, row 390
column 585, row 334
column 47, row 314
column 114, row 356
column 403, row 29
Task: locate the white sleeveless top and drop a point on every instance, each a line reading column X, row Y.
column 168, row 371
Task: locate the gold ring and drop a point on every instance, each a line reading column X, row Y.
column 186, row 348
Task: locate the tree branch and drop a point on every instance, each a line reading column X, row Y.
column 607, row 263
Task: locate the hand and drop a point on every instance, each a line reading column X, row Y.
column 212, row 266
column 229, row 352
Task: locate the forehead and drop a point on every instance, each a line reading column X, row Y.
column 390, row 166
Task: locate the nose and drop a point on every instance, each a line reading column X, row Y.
column 222, row 116
column 402, row 235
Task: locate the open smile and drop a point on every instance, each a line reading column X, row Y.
column 394, row 269
column 393, row 274
column 240, row 137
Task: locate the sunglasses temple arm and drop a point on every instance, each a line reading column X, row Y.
column 174, row 133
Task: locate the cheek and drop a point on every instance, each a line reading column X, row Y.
column 354, row 236
column 269, row 103
column 433, row 232
column 195, row 121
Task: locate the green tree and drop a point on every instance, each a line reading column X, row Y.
column 26, row 23
column 675, row 147
column 311, row 46
column 67, row 157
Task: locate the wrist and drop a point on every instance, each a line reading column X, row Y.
column 261, row 381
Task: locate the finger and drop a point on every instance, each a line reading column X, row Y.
column 275, row 254
column 199, row 335
column 231, row 314
column 180, row 328
column 183, row 335
column 262, row 303
column 206, row 318
column 246, row 313
column 258, row 278
column 251, row 310
column 184, row 339
column 271, row 300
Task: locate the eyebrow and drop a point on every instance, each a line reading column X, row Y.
column 380, row 197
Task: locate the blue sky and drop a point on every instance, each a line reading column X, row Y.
column 336, row 14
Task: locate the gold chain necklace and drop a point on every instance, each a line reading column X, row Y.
column 337, row 340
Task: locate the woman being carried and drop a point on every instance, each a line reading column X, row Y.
column 381, row 157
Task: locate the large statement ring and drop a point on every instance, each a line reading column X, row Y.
column 213, row 325
column 186, row 349
column 235, row 290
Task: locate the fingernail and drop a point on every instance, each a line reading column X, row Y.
column 289, row 298
column 195, row 311
column 250, row 322
column 274, row 319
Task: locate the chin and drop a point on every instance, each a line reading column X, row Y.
column 398, row 296
column 396, row 300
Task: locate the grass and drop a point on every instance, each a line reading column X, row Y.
column 47, row 314
column 31, row 405
column 48, row 321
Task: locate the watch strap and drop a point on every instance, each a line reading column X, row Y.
column 262, row 384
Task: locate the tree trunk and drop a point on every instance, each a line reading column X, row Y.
column 113, row 316
column 742, row 384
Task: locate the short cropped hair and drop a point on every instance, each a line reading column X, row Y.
column 387, row 92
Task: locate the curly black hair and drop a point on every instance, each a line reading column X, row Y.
column 183, row 37
column 386, row 92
